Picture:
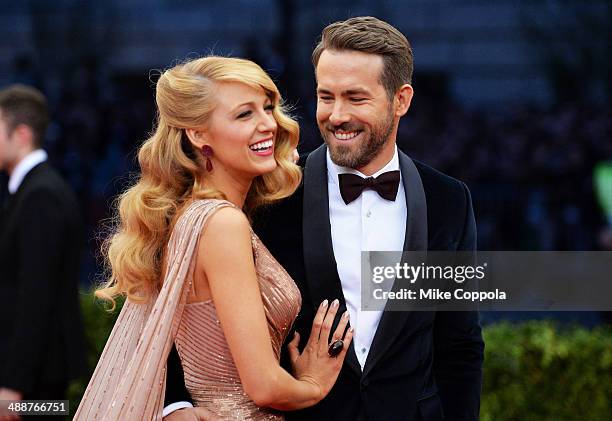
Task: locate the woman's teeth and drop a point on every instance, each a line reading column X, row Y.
column 262, row 145
column 345, row 135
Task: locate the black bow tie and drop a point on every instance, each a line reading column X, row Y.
column 386, row 185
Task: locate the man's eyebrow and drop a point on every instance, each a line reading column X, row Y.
column 357, row 91
column 348, row 92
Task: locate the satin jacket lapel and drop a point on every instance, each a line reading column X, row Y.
column 321, row 270
column 415, row 239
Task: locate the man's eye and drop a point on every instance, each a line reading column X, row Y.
column 357, row 99
column 244, row 114
column 325, row 98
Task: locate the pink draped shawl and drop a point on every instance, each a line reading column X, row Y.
column 130, row 379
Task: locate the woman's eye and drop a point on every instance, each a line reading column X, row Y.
column 244, row 114
column 269, row 107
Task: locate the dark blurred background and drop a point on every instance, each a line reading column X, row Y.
column 512, row 97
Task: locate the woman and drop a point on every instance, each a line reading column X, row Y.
column 222, row 144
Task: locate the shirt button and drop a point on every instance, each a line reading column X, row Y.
column 368, row 214
column 363, row 350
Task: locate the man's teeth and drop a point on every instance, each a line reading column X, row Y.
column 345, row 135
column 261, row 145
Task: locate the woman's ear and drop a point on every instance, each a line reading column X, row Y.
column 196, row 137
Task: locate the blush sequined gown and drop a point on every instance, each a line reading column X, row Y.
column 129, row 381
column 210, row 374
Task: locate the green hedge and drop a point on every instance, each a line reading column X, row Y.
column 536, row 370
column 539, row 370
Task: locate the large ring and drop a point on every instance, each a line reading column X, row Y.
column 335, row 348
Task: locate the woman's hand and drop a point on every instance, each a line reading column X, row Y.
column 314, row 365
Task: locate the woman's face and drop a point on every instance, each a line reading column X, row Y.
column 242, row 130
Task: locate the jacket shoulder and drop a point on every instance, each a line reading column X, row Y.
column 450, row 214
column 46, row 178
column 44, row 185
column 440, row 185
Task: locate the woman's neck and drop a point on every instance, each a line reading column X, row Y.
column 234, row 187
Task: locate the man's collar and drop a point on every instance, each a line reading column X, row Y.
column 333, row 170
column 24, row 167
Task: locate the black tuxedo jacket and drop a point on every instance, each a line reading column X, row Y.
column 41, row 343
column 421, row 365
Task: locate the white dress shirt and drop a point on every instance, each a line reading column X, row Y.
column 369, row 223
column 24, row 167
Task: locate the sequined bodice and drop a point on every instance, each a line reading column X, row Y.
column 210, row 374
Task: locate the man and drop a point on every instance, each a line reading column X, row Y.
column 401, row 365
column 41, row 343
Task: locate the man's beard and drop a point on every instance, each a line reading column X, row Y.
column 365, row 151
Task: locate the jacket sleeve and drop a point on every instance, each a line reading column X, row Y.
column 458, row 345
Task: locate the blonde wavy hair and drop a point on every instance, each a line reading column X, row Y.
column 171, row 172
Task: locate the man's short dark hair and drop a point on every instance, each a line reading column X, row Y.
column 21, row 104
column 373, row 36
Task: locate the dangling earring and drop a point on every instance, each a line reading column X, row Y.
column 207, row 152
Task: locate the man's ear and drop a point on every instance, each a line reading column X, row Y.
column 196, row 137
column 24, row 135
column 403, row 99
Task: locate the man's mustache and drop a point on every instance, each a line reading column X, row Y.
column 345, row 127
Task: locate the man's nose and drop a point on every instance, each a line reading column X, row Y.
column 339, row 114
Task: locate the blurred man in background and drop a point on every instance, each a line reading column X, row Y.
column 41, row 336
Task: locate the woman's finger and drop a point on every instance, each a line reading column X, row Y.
column 317, row 323
column 292, row 347
column 327, row 325
column 347, row 342
column 339, row 332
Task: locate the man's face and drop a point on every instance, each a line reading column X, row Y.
column 354, row 113
column 8, row 146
